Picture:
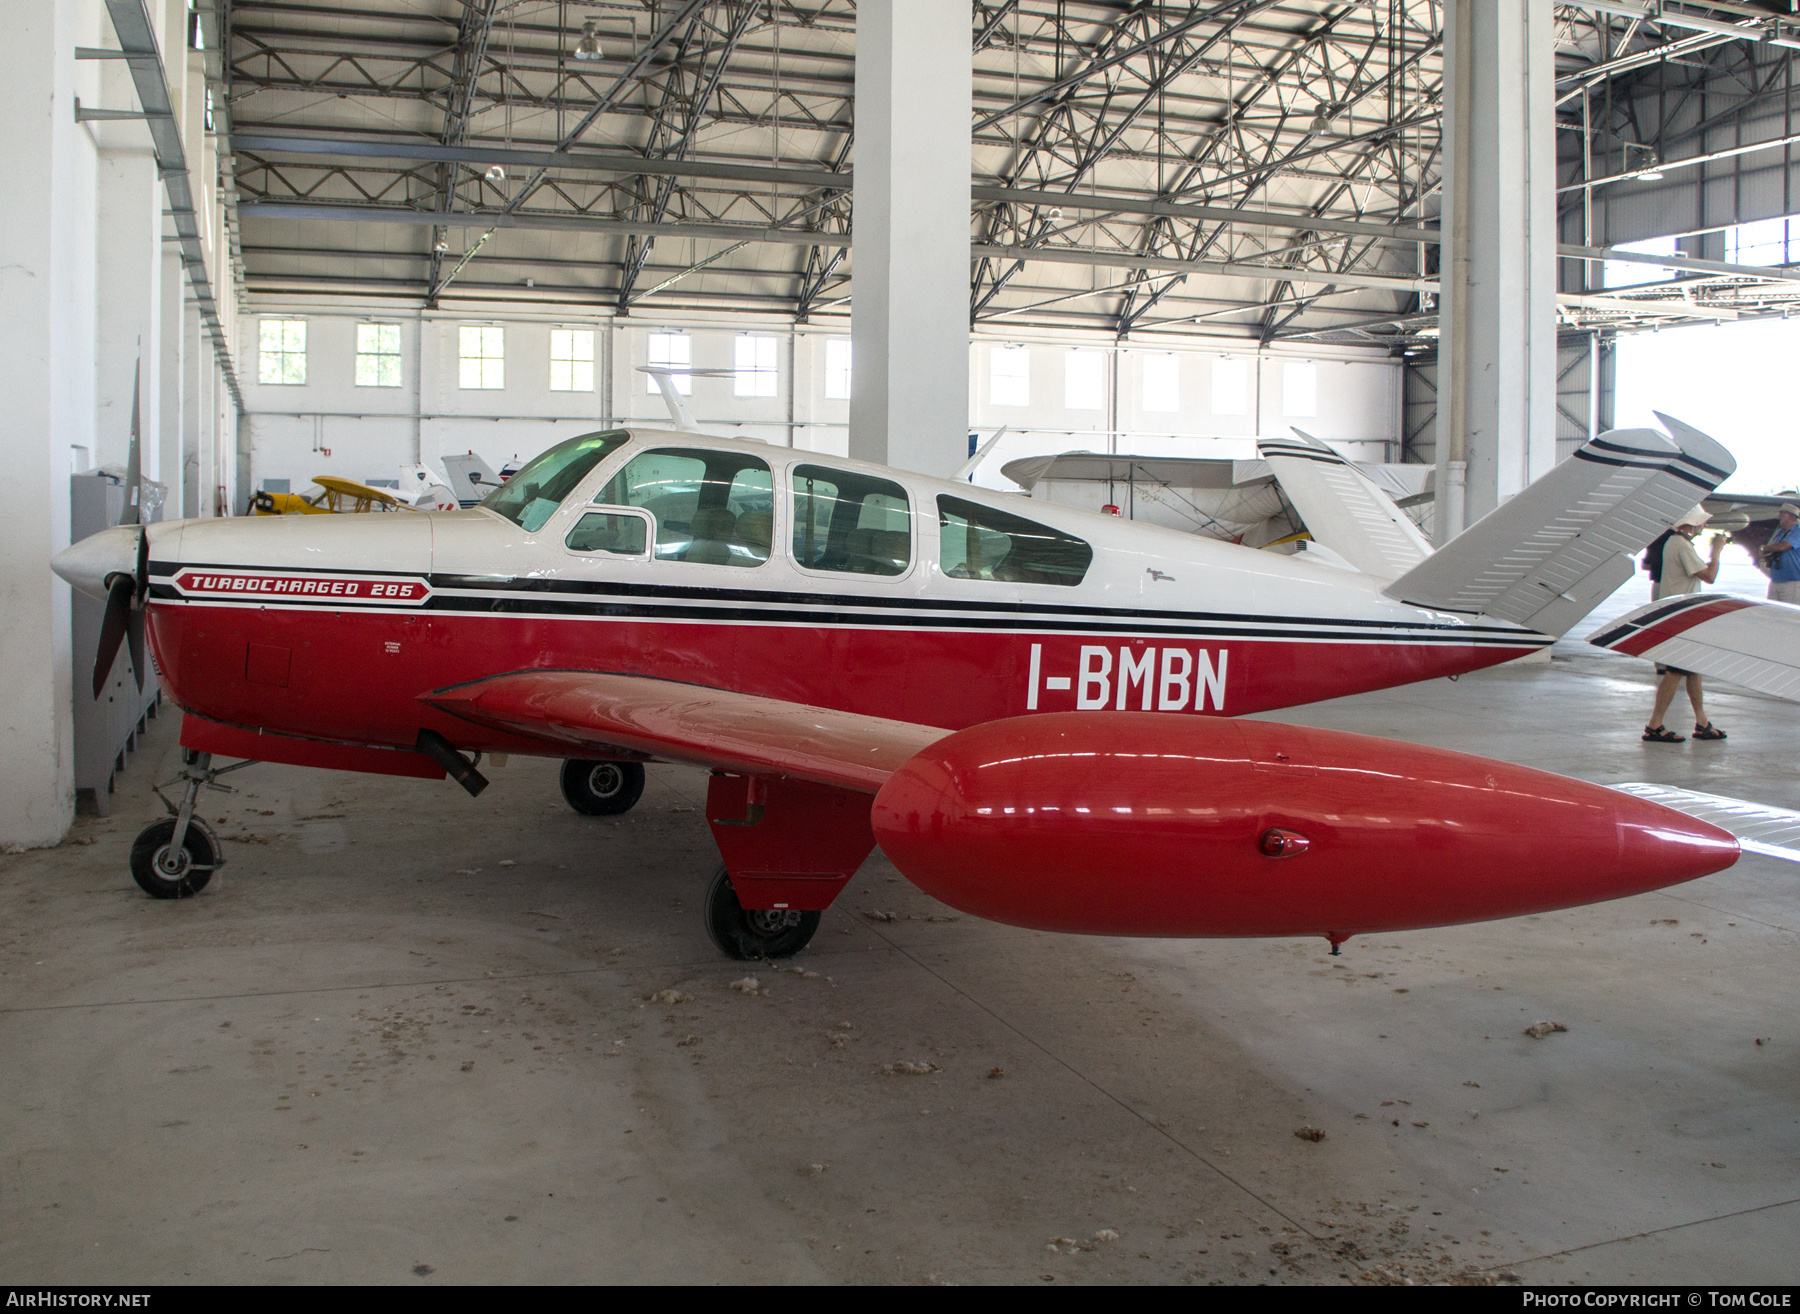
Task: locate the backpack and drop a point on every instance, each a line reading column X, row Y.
column 1653, row 555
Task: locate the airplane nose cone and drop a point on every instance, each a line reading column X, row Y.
column 87, row 565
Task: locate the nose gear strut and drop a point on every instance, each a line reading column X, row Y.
column 176, row 857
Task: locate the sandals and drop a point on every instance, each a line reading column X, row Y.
column 1708, row 731
column 1663, row 735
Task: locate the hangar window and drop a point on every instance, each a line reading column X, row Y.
column 837, row 369
column 712, row 508
column 1299, row 388
column 571, row 360
column 281, row 354
column 378, row 355
column 481, row 356
column 1162, row 383
column 1009, row 376
column 528, row 498
column 1634, row 273
column 979, row 542
column 1230, row 387
column 670, row 351
column 1084, row 380
column 755, row 374
column 850, row 522
column 1765, row 242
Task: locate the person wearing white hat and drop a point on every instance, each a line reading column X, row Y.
column 1781, row 556
column 1681, row 572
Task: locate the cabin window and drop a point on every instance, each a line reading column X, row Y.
column 599, row 531
column 528, row 498
column 850, row 522
column 711, row 508
column 979, row 542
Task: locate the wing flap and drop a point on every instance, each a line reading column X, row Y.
column 1343, row 508
column 1750, row 643
column 601, row 711
column 1537, row 559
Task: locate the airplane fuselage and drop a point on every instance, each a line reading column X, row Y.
column 330, row 628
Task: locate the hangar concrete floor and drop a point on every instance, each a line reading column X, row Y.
column 408, row 1037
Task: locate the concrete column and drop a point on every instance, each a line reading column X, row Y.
column 195, row 351
column 46, row 378
column 170, row 299
column 909, row 313
column 1497, row 343
column 128, row 274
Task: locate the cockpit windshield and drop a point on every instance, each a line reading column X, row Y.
column 528, row 498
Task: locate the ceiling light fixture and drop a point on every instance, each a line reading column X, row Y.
column 1654, row 173
column 495, row 173
column 588, row 47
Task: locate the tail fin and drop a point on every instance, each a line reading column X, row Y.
column 1343, row 508
column 1549, row 556
column 471, row 478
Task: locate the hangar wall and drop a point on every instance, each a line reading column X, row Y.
column 330, row 425
column 86, row 291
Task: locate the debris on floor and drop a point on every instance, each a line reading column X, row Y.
column 1538, row 1030
column 671, row 997
column 876, row 915
column 748, row 984
column 1106, row 1234
column 506, row 862
column 1314, row 1134
column 905, row 1069
column 994, row 1073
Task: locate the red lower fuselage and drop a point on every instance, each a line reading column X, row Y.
column 355, row 676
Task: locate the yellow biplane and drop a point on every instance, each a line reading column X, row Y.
column 336, row 497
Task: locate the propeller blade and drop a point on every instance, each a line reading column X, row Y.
column 134, row 461
column 134, row 640
column 112, row 629
column 141, row 584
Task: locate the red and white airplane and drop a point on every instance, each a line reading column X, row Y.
column 1027, row 707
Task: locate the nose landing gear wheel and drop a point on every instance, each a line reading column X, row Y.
column 602, row 789
column 164, row 872
column 754, row 934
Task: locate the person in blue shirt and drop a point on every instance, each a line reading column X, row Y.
column 1781, row 557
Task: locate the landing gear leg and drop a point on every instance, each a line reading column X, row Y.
column 753, row 935
column 176, row 857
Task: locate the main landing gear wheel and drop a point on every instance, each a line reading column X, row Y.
column 752, row 935
column 164, row 872
column 602, row 789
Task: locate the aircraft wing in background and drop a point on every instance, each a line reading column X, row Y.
column 1343, row 509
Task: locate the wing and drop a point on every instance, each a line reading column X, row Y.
column 599, row 711
column 1755, row 644
column 1550, row 555
column 1772, row 832
column 1342, row 507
